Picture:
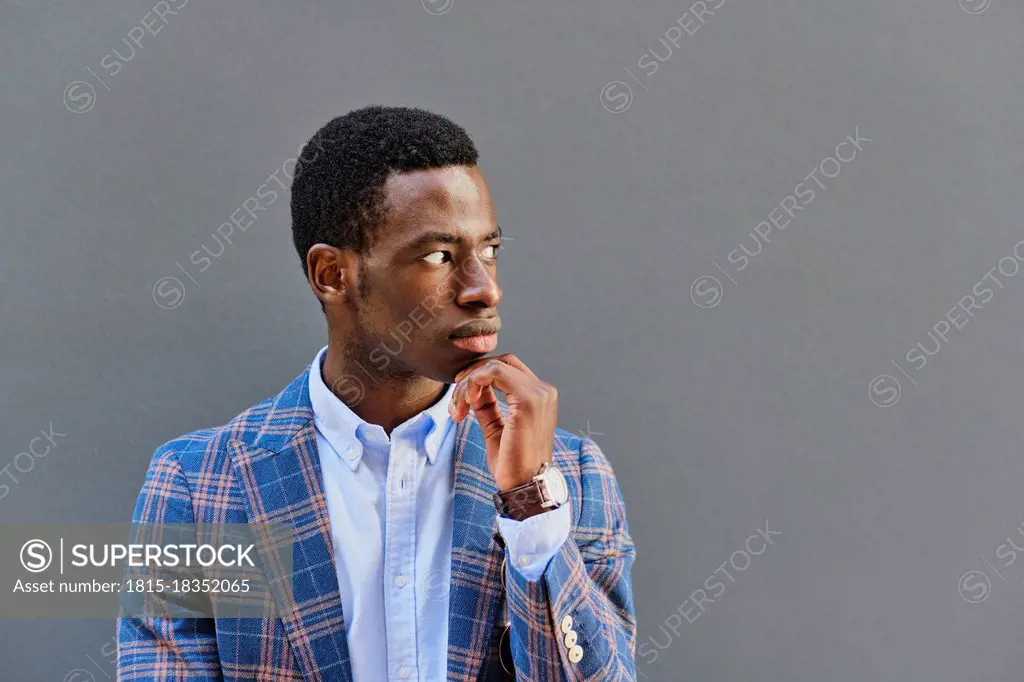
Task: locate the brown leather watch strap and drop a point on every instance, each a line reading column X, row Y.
column 521, row 502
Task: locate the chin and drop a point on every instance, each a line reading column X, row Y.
column 444, row 366
column 437, row 369
column 445, row 372
column 447, row 375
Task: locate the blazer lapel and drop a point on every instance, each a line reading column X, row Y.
column 476, row 591
column 276, row 462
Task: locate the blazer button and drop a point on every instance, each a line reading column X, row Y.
column 566, row 624
column 570, row 639
column 576, row 654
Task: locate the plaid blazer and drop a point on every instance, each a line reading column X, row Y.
column 263, row 467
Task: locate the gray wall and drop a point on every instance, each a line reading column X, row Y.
column 781, row 391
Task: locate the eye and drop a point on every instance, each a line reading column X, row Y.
column 494, row 252
column 436, row 254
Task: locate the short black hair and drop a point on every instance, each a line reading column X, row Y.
column 337, row 191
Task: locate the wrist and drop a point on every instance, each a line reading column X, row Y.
column 546, row 490
column 507, row 482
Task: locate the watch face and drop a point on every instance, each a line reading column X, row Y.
column 556, row 485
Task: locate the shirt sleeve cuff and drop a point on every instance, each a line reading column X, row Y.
column 532, row 543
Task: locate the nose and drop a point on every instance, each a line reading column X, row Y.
column 476, row 287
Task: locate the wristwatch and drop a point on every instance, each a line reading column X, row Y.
column 544, row 492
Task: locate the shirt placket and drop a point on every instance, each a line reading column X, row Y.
column 400, row 561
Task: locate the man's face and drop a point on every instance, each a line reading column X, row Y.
column 431, row 269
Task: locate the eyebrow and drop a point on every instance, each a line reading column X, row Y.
column 445, row 238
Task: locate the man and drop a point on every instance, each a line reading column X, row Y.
column 386, row 453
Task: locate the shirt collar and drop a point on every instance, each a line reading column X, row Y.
column 346, row 431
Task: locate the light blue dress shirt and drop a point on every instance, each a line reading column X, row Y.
column 390, row 506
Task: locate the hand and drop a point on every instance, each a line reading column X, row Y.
column 516, row 448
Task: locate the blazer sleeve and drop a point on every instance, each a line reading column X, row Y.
column 586, row 588
column 165, row 648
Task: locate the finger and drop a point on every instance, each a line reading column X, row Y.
column 462, row 387
column 471, row 366
column 499, row 375
column 517, row 363
column 487, row 412
column 507, row 358
column 459, row 394
column 472, row 395
column 465, row 394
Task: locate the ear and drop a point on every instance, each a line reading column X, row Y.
column 332, row 273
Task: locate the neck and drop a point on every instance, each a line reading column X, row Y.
column 376, row 397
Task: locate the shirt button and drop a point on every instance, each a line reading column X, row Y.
column 399, row 581
column 524, row 560
column 403, row 672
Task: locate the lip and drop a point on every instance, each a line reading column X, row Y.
column 478, row 327
column 481, row 343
